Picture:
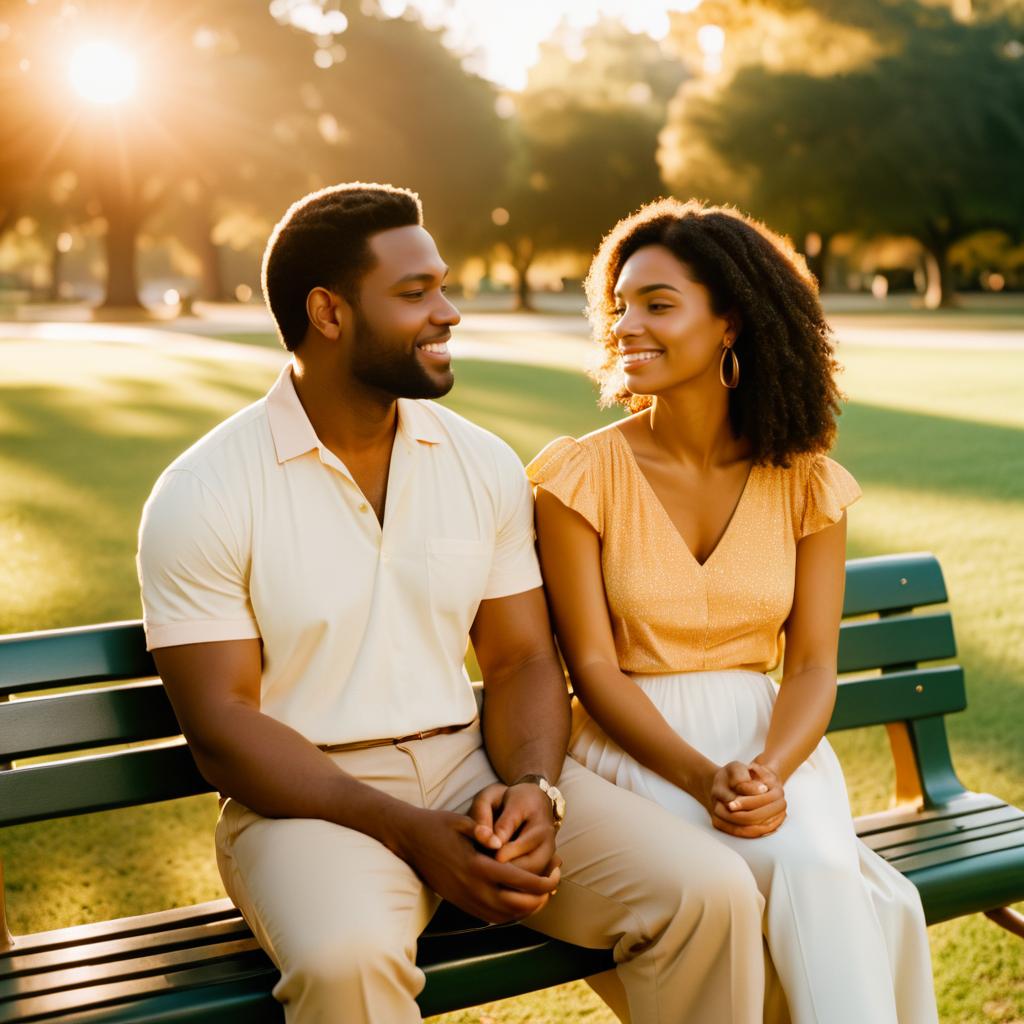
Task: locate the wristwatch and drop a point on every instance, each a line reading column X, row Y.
column 551, row 792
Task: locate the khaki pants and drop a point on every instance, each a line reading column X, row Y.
column 340, row 914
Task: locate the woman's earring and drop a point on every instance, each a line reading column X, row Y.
column 734, row 374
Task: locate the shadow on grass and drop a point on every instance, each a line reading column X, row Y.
column 919, row 452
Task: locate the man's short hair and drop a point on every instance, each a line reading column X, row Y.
column 323, row 242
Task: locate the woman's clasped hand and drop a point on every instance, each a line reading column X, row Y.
column 745, row 800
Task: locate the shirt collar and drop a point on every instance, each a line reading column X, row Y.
column 294, row 435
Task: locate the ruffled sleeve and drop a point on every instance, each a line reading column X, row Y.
column 829, row 490
column 563, row 468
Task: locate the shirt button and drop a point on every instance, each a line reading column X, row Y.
column 364, row 507
column 385, row 557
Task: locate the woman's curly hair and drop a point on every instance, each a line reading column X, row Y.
column 787, row 399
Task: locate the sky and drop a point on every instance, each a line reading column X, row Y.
column 506, row 35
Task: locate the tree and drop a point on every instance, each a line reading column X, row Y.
column 397, row 106
column 925, row 141
column 245, row 110
column 207, row 95
column 586, row 135
column 921, row 143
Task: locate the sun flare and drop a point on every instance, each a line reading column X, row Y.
column 103, row 73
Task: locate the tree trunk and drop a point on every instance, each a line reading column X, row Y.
column 123, row 223
column 211, row 281
column 818, row 264
column 940, row 291
column 56, row 263
column 7, row 215
column 211, row 277
column 522, row 259
column 524, row 297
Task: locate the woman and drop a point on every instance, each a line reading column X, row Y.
column 682, row 548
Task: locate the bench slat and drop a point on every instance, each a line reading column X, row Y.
column 896, row 697
column 890, row 582
column 197, row 915
column 963, row 851
column 461, row 971
column 963, row 806
column 54, row 1003
column 927, row 844
column 37, row 726
column 117, row 948
column 244, row 1000
column 99, row 783
column 67, row 657
column 899, row 640
column 959, row 825
column 123, row 968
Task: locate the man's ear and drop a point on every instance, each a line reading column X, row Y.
column 326, row 312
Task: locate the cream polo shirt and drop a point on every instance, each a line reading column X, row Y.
column 259, row 530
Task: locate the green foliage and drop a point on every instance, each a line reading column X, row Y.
column 587, row 135
column 408, row 113
column 232, row 110
column 925, row 139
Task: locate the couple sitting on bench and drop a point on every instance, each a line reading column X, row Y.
column 311, row 570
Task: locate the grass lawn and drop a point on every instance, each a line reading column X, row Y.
column 936, row 439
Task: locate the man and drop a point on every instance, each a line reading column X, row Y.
column 310, row 572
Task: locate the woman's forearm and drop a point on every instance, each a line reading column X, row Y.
column 629, row 717
column 799, row 719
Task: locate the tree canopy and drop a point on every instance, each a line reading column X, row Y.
column 587, row 135
column 926, row 139
column 233, row 104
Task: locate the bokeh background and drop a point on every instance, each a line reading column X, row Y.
column 147, row 149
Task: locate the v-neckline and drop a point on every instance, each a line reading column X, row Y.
column 664, row 511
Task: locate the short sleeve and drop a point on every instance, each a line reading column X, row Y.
column 829, row 489
column 514, row 566
column 563, row 468
column 192, row 571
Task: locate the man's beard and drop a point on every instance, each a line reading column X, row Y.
column 391, row 369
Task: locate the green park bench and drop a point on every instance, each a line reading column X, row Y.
column 963, row 850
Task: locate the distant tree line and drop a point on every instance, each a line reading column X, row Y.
column 823, row 117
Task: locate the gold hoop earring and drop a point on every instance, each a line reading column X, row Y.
column 734, row 375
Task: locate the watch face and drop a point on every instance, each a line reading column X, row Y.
column 557, row 803
column 556, row 798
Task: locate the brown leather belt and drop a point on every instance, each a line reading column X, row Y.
column 338, row 748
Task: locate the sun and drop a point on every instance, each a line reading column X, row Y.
column 104, row 73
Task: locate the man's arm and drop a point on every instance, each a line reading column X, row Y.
column 265, row 764
column 526, row 716
column 525, row 724
column 215, row 691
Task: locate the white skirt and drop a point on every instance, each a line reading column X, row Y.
column 845, row 930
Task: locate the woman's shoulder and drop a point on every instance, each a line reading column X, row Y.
column 819, row 489
column 555, row 457
column 574, row 470
column 588, row 449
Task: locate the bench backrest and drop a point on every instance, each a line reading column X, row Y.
column 885, row 632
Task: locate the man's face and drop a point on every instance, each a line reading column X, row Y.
column 403, row 319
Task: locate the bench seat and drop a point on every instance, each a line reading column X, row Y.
column 202, row 962
column 964, row 851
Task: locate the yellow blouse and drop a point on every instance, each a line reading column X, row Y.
column 668, row 612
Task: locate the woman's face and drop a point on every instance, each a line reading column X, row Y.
column 666, row 330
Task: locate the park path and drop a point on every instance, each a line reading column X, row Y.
column 536, row 339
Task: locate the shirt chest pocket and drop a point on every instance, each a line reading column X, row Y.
column 458, row 571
